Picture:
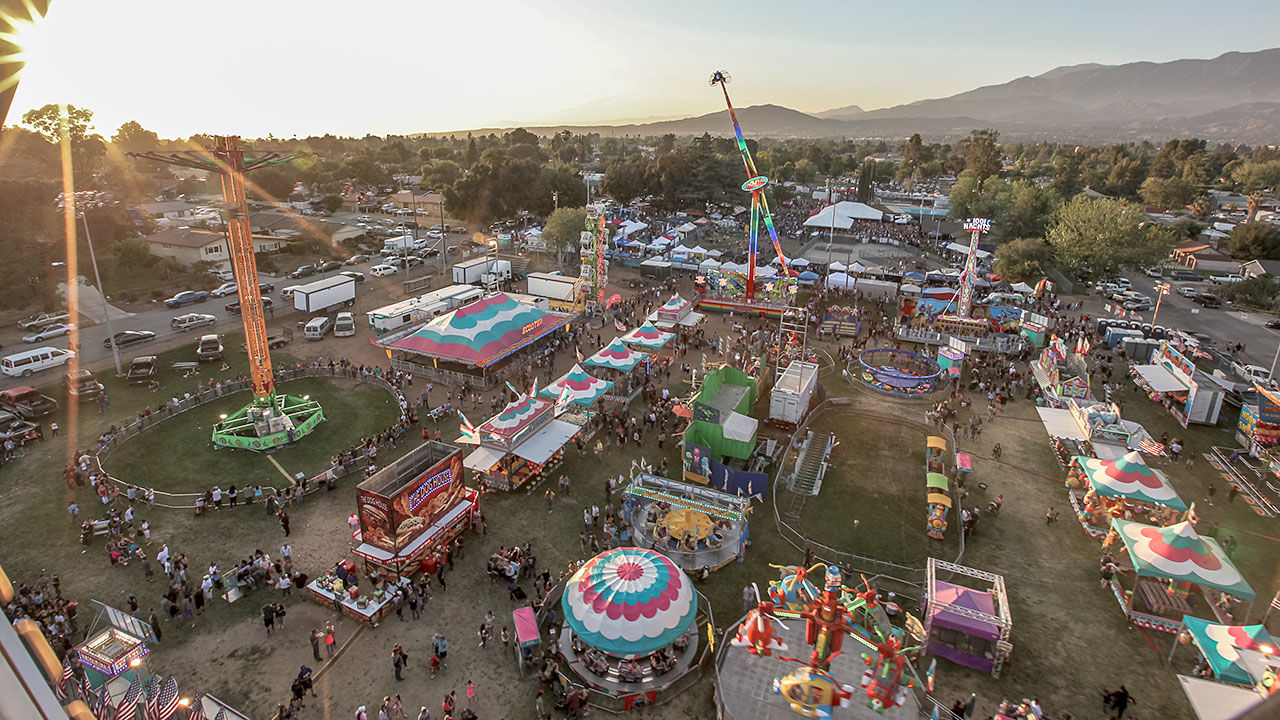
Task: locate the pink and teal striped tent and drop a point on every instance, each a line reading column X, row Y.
column 584, row 389
column 649, row 337
column 483, row 332
column 616, row 355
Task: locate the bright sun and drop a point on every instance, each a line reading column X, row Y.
column 21, row 39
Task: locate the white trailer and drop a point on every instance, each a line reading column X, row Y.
column 422, row 308
column 553, row 286
column 789, row 400
column 470, row 271
column 322, row 295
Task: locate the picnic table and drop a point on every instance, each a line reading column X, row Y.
column 1164, row 603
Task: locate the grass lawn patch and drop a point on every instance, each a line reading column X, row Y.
column 178, row 456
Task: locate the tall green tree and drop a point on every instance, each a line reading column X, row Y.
column 1023, row 260
column 626, row 180
column 1107, row 236
column 1167, row 193
column 1255, row 177
column 86, row 149
column 1254, row 241
column 132, row 137
column 564, row 228
column 981, row 152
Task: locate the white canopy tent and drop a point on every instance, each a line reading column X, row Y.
column 654, row 262
column 714, row 253
column 629, row 226
column 799, row 262
column 1160, row 379
column 766, row 271
column 840, row 281
column 709, row 264
column 1217, row 701
column 1023, row 288
column 842, row 214
column 837, row 266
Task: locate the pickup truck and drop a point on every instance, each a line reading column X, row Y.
column 27, row 403
column 210, row 348
column 275, row 339
column 82, row 386
column 234, row 307
column 1225, row 279
column 36, row 322
column 1253, row 374
column 16, row 429
column 142, row 370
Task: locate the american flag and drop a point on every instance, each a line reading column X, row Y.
column 197, row 708
column 60, row 687
column 164, row 703
column 221, row 715
column 152, row 688
column 1150, row 447
column 102, row 708
column 86, row 690
column 1275, row 602
column 132, row 697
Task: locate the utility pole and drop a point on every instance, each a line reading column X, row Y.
column 555, row 198
column 106, row 309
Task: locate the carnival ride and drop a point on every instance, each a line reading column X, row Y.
column 272, row 419
column 900, row 372
column 593, row 246
column 724, row 294
column 829, row 616
column 937, row 485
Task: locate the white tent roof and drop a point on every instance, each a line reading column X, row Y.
column 687, row 227
column 655, row 262
column 842, row 214
column 837, row 266
column 714, row 253
column 680, row 250
column 766, row 271
column 857, row 267
column 1023, row 288
column 740, row 427
column 840, row 280
column 1215, row 700
column 964, row 250
column 799, row 262
column 1160, row 378
column 698, row 250
column 629, row 226
column 544, row 443
column 709, row 264
column 1060, row 423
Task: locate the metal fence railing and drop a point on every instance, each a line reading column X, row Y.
column 205, row 395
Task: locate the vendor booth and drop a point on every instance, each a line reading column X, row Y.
column 115, row 652
column 648, row 338
column 1123, row 488
column 519, row 444
column 967, row 626
column 412, row 507
column 619, row 362
column 1226, row 648
column 339, row 590
column 1175, row 382
column 630, row 623
column 1170, row 563
column 472, row 342
column 1061, row 374
column 676, row 313
column 693, row 525
column 577, row 387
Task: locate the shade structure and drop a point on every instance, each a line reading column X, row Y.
column 709, row 264
column 675, row 305
column 1129, row 477
column 840, row 281
column 809, row 275
column 482, row 332
column 629, row 602
column 1022, row 288
column 842, row 214
column 958, row 596
column 1177, row 552
column 648, row 336
column 514, row 417
column 616, row 355
column 1221, row 646
column 936, row 480
column 584, row 389
column 799, row 262
column 837, row 266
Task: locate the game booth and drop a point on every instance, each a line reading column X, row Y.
column 968, row 626
column 676, row 314
column 521, row 443
column 631, row 626
column 1125, row 488
column 114, row 655
column 473, row 342
column 1093, row 429
column 720, row 425
column 818, row 652
column 1169, row 565
column 407, row 510
column 619, row 363
column 577, row 393
column 1229, row 651
column 649, row 339
column 1061, row 374
column 693, row 525
column 1183, row 389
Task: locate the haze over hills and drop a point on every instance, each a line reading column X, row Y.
column 1234, row 97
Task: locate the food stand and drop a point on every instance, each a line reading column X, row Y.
column 1106, row 489
column 331, row 590
column 575, row 394
column 1175, row 382
column 117, row 650
column 676, row 313
column 649, row 339
column 519, row 444
column 618, row 362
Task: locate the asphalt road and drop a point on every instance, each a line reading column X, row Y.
column 1225, row 324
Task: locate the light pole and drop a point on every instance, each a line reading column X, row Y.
column 106, row 309
column 1162, row 289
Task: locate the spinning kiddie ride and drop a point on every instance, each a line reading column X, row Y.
column 825, row 679
column 899, row 372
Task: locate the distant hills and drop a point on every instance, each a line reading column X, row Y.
column 1234, row 97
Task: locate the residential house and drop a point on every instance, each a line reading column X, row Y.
column 279, row 224
column 191, row 245
column 169, row 210
column 1198, row 255
column 423, row 203
column 1258, row 268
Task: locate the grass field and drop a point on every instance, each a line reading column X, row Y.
column 351, row 414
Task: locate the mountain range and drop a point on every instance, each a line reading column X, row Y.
column 1234, row 97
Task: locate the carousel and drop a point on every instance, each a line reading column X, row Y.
column 697, row 527
column 1126, row 488
column 631, row 622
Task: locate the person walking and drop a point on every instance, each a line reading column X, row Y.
column 1121, row 700
column 330, row 641
column 399, row 660
column 269, row 617
column 748, row 598
column 283, row 517
column 316, row 638
column 549, row 496
column 471, row 694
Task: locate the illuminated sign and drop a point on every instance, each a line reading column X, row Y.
column 428, row 488
column 977, row 225
column 531, row 327
column 755, row 183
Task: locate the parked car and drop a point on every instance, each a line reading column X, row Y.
column 1274, row 323
column 303, row 271
column 435, row 234
column 81, row 385
column 1185, row 276
column 1152, row 272
column 1187, row 291
column 1252, row 373
column 16, row 429
column 357, row 276
column 125, row 338
column 356, row 260
column 1139, row 304
column 210, row 348
column 223, row 275
column 142, row 370
column 364, row 219
column 47, row 332
column 225, row 289
column 191, row 320
column 404, row 261
column 266, row 287
column 1208, row 300
column 329, row 266
column 1226, row 279
column 382, row 270
column 234, row 307
column 186, row 297
column 26, row 402
column 36, row 322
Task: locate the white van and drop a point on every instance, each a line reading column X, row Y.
column 344, row 325
column 32, row 361
column 317, row 328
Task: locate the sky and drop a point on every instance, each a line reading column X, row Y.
column 303, row 67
